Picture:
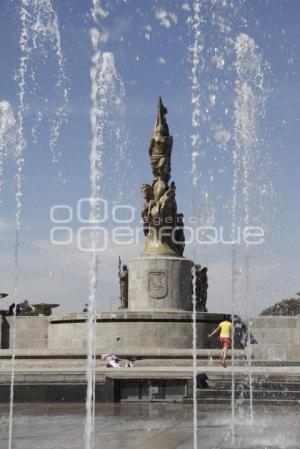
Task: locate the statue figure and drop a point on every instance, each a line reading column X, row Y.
column 198, row 286
column 123, row 279
column 167, row 203
column 161, row 145
column 26, row 309
column 5, row 331
column 204, row 288
column 201, row 288
column 159, row 212
column 159, row 187
column 161, row 125
column 147, row 192
column 179, row 237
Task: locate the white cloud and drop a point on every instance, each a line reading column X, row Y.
column 121, row 29
column 7, row 118
column 160, row 61
column 212, row 100
column 59, row 274
column 148, row 29
column 165, row 18
column 6, row 225
column 219, row 61
column 186, row 7
column 222, row 135
column 8, row 130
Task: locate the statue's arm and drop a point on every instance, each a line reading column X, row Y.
column 151, row 146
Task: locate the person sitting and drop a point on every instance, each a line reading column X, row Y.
column 201, row 380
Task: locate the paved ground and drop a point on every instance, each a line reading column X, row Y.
column 151, row 426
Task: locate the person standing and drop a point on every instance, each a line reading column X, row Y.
column 225, row 329
column 18, row 310
column 11, row 309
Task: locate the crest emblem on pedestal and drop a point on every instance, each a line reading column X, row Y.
column 158, row 284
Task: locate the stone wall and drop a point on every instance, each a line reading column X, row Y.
column 153, row 331
column 31, row 332
column 148, row 332
column 278, row 338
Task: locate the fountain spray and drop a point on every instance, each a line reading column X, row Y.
column 95, row 174
column 8, row 137
column 107, row 98
column 196, row 63
column 21, row 144
column 39, row 26
column 250, row 96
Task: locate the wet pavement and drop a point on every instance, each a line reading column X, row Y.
column 151, row 426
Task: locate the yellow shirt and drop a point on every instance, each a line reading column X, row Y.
column 225, row 329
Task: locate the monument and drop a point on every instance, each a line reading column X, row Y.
column 153, row 325
column 161, row 277
column 155, row 315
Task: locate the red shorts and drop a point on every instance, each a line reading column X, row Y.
column 225, row 342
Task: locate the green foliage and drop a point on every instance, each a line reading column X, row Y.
column 286, row 307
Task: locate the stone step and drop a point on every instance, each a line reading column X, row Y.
column 271, row 389
column 227, row 401
column 272, row 386
column 47, row 362
column 19, row 365
column 245, row 394
column 213, row 361
column 147, row 353
column 157, row 362
column 30, row 362
column 141, row 362
column 257, row 378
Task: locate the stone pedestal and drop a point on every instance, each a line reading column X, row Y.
column 158, row 282
column 142, row 333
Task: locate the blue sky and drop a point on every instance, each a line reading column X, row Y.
column 152, row 58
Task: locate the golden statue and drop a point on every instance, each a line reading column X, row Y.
column 159, row 212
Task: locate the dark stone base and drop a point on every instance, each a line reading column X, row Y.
column 139, row 331
column 57, row 392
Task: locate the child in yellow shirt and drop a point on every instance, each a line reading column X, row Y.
column 225, row 328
